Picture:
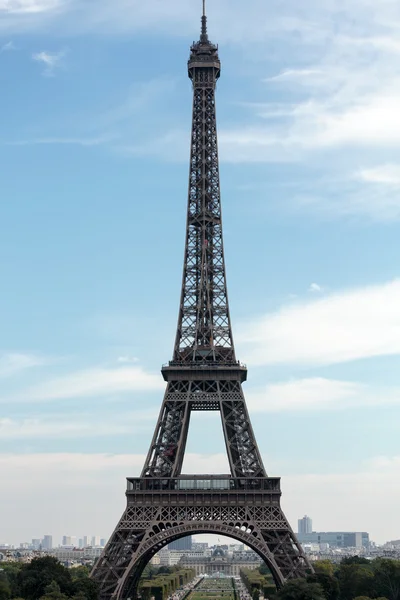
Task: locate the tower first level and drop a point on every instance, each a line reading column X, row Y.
column 161, row 510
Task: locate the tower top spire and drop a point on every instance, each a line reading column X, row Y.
column 204, row 36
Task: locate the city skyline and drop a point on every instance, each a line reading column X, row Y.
column 310, row 181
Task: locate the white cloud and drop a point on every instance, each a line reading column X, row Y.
column 341, row 327
column 295, row 74
column 337, row 502
column 13, row 363
column 69, row 426
column 382, row 174
column 68, row 141
column 319, row 393
column 336, row 67
column 21, row 7
column 127, row 359
column 92, row 382
column 315, row 288
column 50, row 61
column 316, row 393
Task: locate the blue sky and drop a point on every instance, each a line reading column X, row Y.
column 94, row 148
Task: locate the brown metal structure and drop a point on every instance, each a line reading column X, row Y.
column 204, row 374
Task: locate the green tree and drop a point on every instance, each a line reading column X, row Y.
column 9, row 574
column 5, row 589
column 34, row 578
column 386, row 578
column 355, row 580
column 324, row 566
column 79, row 596
column 301, row 589
column 355, row 560
column 53, row 592
column 86, row 587
column 80, row 572
column 327, row 581
column 256, row 594
column 264, row 569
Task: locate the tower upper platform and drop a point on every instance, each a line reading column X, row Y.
column 204, row 54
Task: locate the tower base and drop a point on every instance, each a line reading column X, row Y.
column 160, row 511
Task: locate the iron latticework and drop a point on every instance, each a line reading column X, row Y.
column 204, row 374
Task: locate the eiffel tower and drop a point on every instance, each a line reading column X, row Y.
column 204, row 374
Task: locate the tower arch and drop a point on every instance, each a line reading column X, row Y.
column 127, row 587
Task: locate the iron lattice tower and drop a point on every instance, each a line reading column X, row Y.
column 204, row 374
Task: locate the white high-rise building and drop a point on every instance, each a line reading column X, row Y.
column 66, row 540
column 304, row 525
column 95, row 540
column 47, row 543
column 86, row 541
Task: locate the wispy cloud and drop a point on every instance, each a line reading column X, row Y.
column 382, row 174
column 315, row 288
column 341, row 327
column 50, row 61
column 297, row 75
column 113, row 127
column 319, row 394
column 22, row 7
column 69, row 426
column 68, row 141
column 8, row 47
column 13, row 363
column 91, row 382
column 127, row 359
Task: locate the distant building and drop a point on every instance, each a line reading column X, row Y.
column 336, row 539
column 66, row 540
column 220, row 562
column 199, row 545
column 95, row 540
column 47, row 543
column 184, row 543
column 36, row 543
column 236, row 547
column 92, row 552
column 304, row 525
column 86, row 541
column 68, row 554
column 103, row 542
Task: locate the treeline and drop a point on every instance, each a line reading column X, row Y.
column 355, row 578
column 45, row 579
column 258, row 581
column 162, row 582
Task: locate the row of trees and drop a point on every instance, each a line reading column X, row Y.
column 45, row 579
column 354, row 578
column 258, row 581
column 162, row 584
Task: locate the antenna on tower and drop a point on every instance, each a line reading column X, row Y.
column 204, row 36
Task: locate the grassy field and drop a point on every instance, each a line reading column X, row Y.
column 213, row 589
